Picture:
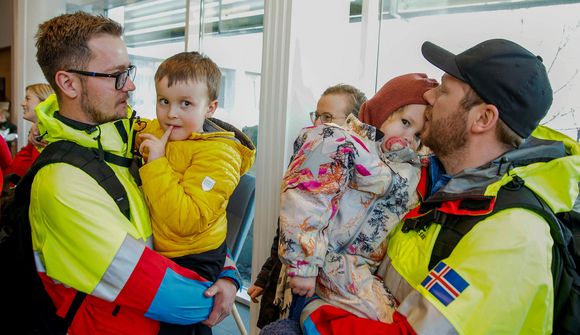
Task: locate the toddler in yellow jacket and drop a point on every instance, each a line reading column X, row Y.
column 193, row 164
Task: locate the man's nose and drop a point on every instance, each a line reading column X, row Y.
column 429, row 96
column 129, row 85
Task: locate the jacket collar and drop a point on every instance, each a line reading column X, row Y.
column 111, row 137
column 474, row 182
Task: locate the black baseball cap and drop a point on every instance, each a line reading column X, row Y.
column 503, row 74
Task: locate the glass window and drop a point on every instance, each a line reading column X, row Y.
column 233, row 16
column 396, row 8
column 153, row 31
column 232, row 37
column 227, row 89
column 407, row 6
column 556, row 41
column 355, row 10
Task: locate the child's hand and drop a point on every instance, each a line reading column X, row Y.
column 254, row 292
column 155, row 147
column 303, row 286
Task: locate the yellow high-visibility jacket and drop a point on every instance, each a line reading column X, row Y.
column 503, row 264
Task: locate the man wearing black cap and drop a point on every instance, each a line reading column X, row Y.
column 495, row 276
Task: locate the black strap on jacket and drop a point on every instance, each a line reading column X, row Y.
column 85, row 159
column 88, row 161
column 511, row 195
column 565, row 256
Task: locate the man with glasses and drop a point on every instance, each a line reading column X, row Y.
column 81, row 241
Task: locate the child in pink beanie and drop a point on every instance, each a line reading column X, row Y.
column 345, row 189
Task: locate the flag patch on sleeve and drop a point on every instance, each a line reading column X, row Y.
column 444, row 283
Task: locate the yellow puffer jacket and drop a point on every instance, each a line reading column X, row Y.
column 187, row 191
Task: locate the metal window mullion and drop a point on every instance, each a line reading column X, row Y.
column 194, row 25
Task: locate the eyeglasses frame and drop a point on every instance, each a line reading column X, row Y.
column 116, row 75
column 315, row 116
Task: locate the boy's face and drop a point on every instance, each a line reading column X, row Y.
column 184, row 105
column 404, row 127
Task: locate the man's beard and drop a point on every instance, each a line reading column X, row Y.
column 447, row 135
column 97, row 116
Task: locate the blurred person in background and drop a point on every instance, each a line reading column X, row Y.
column 35, row 94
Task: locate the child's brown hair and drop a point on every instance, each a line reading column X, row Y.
column 193, row 66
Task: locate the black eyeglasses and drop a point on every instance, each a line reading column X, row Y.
column 120, row 77
column 324, row 117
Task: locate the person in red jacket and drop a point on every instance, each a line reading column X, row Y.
column 35, row 94
column 5, row 158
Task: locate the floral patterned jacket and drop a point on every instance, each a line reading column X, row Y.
column 341, row 196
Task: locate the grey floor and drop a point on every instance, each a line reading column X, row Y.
column 228, row 325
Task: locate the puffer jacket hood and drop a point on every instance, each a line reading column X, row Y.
column 246, row 147
column 112, row 137
column 548, row 162
column 212, row 128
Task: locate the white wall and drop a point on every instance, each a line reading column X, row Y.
column 28, row 15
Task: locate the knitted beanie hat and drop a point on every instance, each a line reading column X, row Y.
column 398, row 92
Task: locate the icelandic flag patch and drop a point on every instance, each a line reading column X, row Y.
column 444, row 283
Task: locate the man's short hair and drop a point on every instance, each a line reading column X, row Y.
column 62, row 42
column 504, row 133
column 507, row 136
column 357, row 98
column 470, row 99
column 191, row 66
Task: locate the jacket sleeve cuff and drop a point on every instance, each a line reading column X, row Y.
column 233, row 276
column 231, row 272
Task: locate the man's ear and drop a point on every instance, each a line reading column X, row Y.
column 486, row 118
column 211, row 108
column 68, row 83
